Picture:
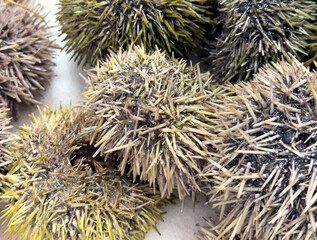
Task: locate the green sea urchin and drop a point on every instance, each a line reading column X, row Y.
column 255, row 32
column 150, row 110
column 56, row 192
column 25, row 54
column 265, row 182
column 92, row 27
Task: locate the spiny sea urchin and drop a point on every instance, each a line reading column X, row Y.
column 150, row 110
column 92, row 27
column 25, row 54
column 58, row 191
column 255, row 32
column 265, row 180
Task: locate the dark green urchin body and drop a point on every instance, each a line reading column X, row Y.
column 56, row 190
column 94, row 27
column 265, row 180
column 255, row 32
column 25, row 54
column 150, row 109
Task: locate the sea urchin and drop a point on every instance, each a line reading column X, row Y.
column 94, row 27
column 255, row 32
column 150, row 110
column 266, row 186
column 58, row 191
column 25, row 54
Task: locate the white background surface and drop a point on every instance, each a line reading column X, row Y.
column 65, row 87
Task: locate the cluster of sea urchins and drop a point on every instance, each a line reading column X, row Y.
column 57, row 190
column 94, row 27
column 157, row 120
column 25, row 54
column 150, row 110
column 265, row 182
column 255, row 32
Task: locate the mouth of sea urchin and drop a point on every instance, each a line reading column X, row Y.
column 84, row 158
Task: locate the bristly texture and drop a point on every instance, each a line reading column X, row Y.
column 56, row 192
column 6, row 139
column 94, row 27
column 265, row 179
column 255, row 32
column 150, row 110
column 25, row 54
column 312, row 43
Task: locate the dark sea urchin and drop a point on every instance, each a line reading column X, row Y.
column 94, row 27
column 150, row 110
column 265, row 180
column 25, row 54
column 255, row 32
column 56, row 190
